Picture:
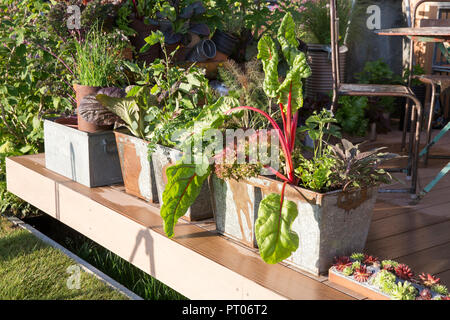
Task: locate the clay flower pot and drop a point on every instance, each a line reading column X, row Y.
column 81, row 91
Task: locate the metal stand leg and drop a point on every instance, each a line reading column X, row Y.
column 430, row 120
column 405, row 126
column 415, row 160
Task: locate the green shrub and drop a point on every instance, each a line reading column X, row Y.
column 33, row 83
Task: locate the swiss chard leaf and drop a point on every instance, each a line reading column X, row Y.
column 268, row 53
column 293, row 83
column 287, row 39
column 273, row 232
column 183, row 187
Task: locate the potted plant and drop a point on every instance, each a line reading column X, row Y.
column 165, row 100
column 226, row 36
column 315, row 25
column 97, row 66
column 305, row 210
column 182, row 23
column 385, row 280
column 136, row 19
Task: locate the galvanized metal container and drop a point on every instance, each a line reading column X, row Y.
column 137, row 169
column 328, row 225
column 164, row 157
column 87, row 158
column 319, row 59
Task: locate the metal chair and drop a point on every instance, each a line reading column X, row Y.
column 348, row 89
column 434, row 80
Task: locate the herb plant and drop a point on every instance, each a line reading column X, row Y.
column 351, row 115
column 97, row 61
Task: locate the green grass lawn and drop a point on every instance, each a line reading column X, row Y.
column 31, row 269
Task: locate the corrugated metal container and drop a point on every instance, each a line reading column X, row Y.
column 87, row 158
column 328, row 225
column 137, row 169
column 164, row 157
column 321, row 79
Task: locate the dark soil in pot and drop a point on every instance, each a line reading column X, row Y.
column 138, row 41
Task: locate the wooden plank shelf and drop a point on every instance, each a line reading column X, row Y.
column 197, row 262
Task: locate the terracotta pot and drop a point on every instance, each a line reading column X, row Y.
column 82, row 91
column 220, row 57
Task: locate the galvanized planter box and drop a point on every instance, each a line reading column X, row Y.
column 164, row 157
column 328, row 225
column 137, row 169
column 87, row 158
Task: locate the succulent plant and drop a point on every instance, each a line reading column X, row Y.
column 389, row 265
column 404, row 291
column 370, row 260
column 429, row 280
column 356, row 265
column 445, row 298
column 361, row 274
column 348, row 271
column 357, row 257
column 441, row 289
column 340, row 263
column 403, row 272
column 425, row 294
column 385, row 281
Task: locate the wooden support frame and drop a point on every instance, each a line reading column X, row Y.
column 198, row 263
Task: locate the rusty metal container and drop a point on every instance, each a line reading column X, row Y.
column 87, row 158
column 328, row 225
column 137, row 169
column 319, row 59
column 164, row 157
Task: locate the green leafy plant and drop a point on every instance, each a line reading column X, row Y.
column 289, row 96
column 97, row 63
column 315, row 173
column 275, row 216
column 165, row 100
column 356, row 169
column 33, row 83
column 351, row 115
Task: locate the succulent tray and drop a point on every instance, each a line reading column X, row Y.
column 385, row 280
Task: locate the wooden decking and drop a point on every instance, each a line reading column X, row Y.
column 204, row 265
column 415, row 234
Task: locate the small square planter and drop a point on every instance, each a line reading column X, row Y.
column 137, row 169
column 164, row 157
column 90, row 159
column 328, row 225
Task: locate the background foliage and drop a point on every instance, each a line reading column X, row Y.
column 33, row 83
